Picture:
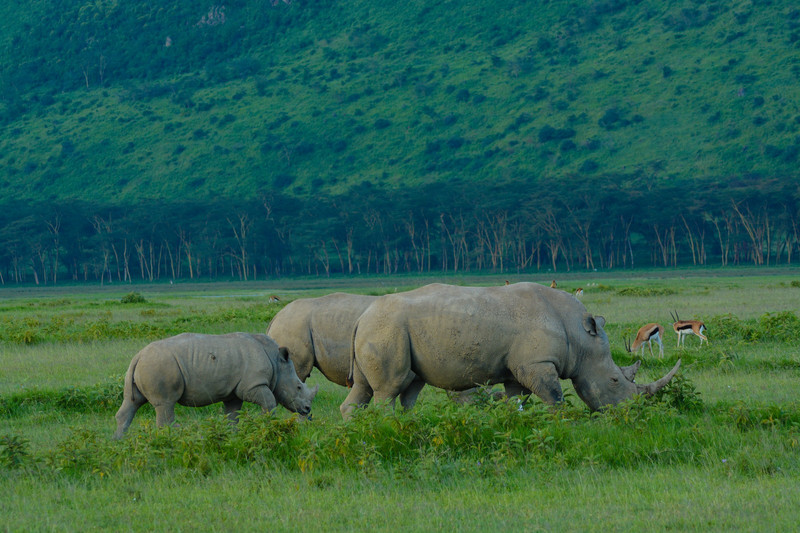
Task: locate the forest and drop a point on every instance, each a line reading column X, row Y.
column 560, row 226
column 263, row 138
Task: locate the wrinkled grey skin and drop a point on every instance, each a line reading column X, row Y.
column 318, row 332
column 523, row 335
column 196, row 370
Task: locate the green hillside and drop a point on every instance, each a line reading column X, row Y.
column 315, row 97
column 631, row 127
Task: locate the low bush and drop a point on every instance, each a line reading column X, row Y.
column 103, row 397
column 645, row 291
column 780, row 327
column 14, row 451
column 133, row 298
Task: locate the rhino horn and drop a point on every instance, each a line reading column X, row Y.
column 630, row 371
column 654, row 387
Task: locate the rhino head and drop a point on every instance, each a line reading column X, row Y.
column 289, row 391
column 599, row 382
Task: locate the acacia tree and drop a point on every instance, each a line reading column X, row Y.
column 238, row 250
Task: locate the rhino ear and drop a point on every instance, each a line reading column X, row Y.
column 589, row 324
column 284, row 353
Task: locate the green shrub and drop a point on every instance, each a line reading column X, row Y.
column 102, row 397
column 728, row 327
column 14, row 451
column 645, row 291
column 681, row 394
column 133, row 298
column 549, row 133
column 83, row 452
column 783, row 326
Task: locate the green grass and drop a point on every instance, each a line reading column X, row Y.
column 651, row 499
column 717, row 451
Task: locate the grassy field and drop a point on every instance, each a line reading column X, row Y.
column 718, row 450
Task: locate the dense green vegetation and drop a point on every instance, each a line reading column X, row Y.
column 261, row 138
column 717, row 449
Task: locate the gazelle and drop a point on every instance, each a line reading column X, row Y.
column 578, row 292
column 274, row 299
column 688, row 327
column 553, row 284
column 647, row 334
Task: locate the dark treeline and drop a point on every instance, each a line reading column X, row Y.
column 558, row 225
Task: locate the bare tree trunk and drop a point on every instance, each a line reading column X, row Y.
column 458, row 242
column 323, row 257
column 724, row 243
column 663, row 244
column 673, row 246
column 792, row 239
column 171, row 260
column 35, row 274
column 186, row 244
column 492, row 234
column 240, row 232
column 338, row 253
column 555, row 240
column 350, row 250
column 144, row 262
column 582, row 229
column 691, row 240
column 54, row 228
column 755, row 230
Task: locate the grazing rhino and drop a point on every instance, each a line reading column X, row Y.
column 196, row 370
column 318, row 332
column 524, row 335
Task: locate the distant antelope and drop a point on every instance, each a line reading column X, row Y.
column 579, row 292
column 647, row 334
column 508, row 283
column 688, row 327
column 553, row 284
column 274, row 299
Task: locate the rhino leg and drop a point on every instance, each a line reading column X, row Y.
column 125, row 415
column 262, row 396
column 359, row 395
column 409, row 396
column 165, row 413
column 232, row 408
column 408, row 389
column 542, row 380
column 513, row 388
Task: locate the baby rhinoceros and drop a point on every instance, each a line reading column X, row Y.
column 196, row 370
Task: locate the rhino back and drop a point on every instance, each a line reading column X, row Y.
column 332, row 325
column 291, row 326
column 458, row 336
column 210, row 367
column 318, row 331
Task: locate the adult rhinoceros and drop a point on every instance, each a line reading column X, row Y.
column 196, row 370
column 318, row 333
column 524, row 335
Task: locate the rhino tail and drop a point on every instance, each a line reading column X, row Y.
column 129, row 387
column 349, row 381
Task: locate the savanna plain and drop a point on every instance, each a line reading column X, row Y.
column 717, row 450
